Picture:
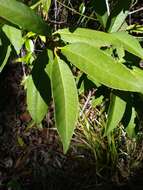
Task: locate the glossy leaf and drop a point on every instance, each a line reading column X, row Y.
column 22, row 16
column 15, row 37
column 65, row 101
column 35, row 103
column 95, row 63
column 115, row 113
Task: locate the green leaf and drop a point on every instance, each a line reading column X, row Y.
column 15, row 37
column 46, row 5
column 130, row 44
column 131, row 126
column 35, row 103
column 65, row 101
column 101, row 11
column 41, row 78
column 92, row 37
column 118, row 15
column 115, row 113
column 5, row 50
column 21, row 15
column 4, row 62
column 39, row 88
column 100, row 39
column 101, row 67
column 29, row 45
column 49, row 66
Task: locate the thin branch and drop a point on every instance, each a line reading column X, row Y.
column 76, row 12
column 135, row 11
column 86, row 103
column 108, row 8
column 55, row 14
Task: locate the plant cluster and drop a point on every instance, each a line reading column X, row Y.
column 82, row 58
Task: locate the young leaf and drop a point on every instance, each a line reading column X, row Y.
column 118, row 15
column 65, row 101
column 95, row 63
column 15, row 37
column 115, row 113
column 35, row 103
column 21, row 15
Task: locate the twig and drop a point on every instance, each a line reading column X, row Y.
column 87, row 101
column 108, row 8
column 76, row 12
column 135, row 11
column 55, row 14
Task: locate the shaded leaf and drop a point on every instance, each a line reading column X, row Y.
column 41, row 78
column 35, row 103
column 65, row 101
column 101, row 11
column 39, row 89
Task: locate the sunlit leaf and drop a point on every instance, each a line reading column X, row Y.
column 6, row 56
column 130, row 44
column 22, row 16
column 65, row 101
column 130, row 129
column 15, row 37
column 92, row 37
column 118, row 15
column 95, row 63
column 46, row 5
column 115, row 113
column 100, row 39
